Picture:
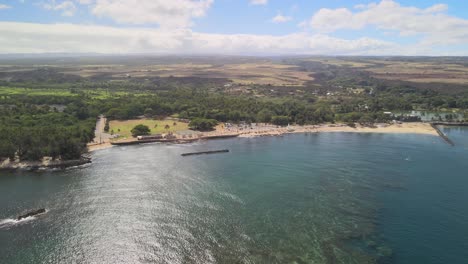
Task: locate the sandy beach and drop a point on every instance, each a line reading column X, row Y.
column 405, row 128
column 261, row 130
column 270, row 130
column 93, row 146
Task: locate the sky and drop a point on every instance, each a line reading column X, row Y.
column 235, row 27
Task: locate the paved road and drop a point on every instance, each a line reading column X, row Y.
column 99, row 135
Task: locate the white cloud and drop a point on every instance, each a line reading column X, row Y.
column 166, row 13
column 258, row 2
column 67, row 8
column 387, row 14
column 328, row 20
column 42, row 38
column 360, row 6
column 279, row 18
column 436, row 8
column 3, row 6
column 435, row 30
column 432, row 24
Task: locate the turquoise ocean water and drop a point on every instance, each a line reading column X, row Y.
column 305, row 198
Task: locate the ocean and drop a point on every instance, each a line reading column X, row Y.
column 302, row 198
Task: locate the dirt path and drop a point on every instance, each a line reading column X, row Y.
column 100, row 135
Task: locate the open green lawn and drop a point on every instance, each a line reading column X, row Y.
column 6, row 91
column 94, row 94
column 123, row 128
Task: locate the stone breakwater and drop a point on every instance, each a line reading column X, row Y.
column 442, row 135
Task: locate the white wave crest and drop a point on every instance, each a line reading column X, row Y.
column 5, row 223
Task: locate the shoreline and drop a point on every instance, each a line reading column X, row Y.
column 96, row 146
column 404, row 128
column 272, row 130
column 45, row 164
column 263, row 130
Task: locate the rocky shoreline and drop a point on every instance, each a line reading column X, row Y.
column 46, row 163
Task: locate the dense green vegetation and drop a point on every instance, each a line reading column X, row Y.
column 31, row 132
column 202, row 124
column 280, row 120
column 47, row 113
column 140, row 130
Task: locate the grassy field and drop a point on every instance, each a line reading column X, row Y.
column 123, row 128
column 94, row 94
column 6, row 91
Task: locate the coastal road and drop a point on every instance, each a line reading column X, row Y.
column 99, row 135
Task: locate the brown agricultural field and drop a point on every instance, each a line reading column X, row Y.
column 420, row 71
column 247, row 71
column 342, row 62
column 262, row 73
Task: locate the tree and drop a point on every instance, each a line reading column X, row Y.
column 264, row 116
column 149, row 112
column 203, row 124
column 140, row 130
column 7, row 149
column 106, row 126
column 366, row 120
column 280, row 120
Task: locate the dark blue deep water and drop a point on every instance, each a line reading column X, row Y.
column 427, row 222
column 312, row 198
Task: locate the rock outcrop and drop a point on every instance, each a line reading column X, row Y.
column 31, row 213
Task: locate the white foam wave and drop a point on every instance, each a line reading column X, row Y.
column 5, row 223
column 77, row 167
column 232, row 197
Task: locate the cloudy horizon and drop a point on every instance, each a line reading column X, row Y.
column 243, row 27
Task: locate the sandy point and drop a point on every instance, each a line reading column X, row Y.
column 93, row 147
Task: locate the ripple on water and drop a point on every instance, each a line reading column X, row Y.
column 295, row 199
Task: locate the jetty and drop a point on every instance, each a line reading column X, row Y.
column 450, row 123
column 170, row 140
column 220, row 136
column 442, row 135
column 136, row 142
column 205, row 152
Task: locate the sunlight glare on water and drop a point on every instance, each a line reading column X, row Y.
column 321, row 198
